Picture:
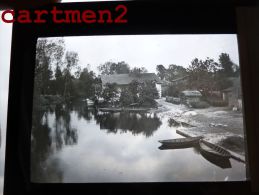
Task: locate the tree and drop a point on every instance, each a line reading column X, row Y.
column 202, row 75
column 126, row 97
column 59, row 81
column 49, row 52
column 161, row 71
column 110, row 93
column 114, row 68
column 175, row 72
column 134, row 88
column 226, row 64
column 137, row 71
column 71, row 61
column 86, row 84
column 147, row 94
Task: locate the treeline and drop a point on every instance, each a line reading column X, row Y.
column 204, row 75
column 58, row 77
column 58, row 74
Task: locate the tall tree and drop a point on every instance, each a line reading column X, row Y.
column 86, row 85
column 59, row 81
column 49, row 52
column 226, row 64
column 175, row 72
column 202, row 75
column 161, row 71
column 71, row 61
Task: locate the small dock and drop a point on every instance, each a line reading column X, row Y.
column 234, row 155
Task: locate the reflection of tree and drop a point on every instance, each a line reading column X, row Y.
column 41, row 149
column 63, row 133
column 48, row 138
column 136, row 123
column 83, row 111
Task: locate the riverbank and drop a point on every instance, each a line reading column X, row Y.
column 218, row 125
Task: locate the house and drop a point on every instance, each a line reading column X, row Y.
column 190, row 96
column 123, row 80
column 232, row 95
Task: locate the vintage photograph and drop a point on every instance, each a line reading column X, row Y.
column 137, row 108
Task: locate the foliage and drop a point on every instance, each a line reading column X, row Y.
column 137, row 71
column 71, row 61
column 134, row 88
column 198, row 104
column 114, row 68
column 161, row 71
column 126, row 97
column 226, row 64
column 110, row 93
column 49, row 52
column 171, row 73
column 68, row 80
column 147, row 94
column 218, row 103
column 175, row 72
column 86, row 84
column 202, row 75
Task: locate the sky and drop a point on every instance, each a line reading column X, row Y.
column 151, row 50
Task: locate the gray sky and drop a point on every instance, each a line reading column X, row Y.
column 151, row 50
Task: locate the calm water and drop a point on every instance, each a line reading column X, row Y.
column 74, row 144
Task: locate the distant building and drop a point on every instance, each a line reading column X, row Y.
column 190, row 96
column 123, row 80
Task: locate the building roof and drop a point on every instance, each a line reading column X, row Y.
column 193, row 93
column 125, row 79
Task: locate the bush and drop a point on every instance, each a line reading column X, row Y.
column 198, row 104
column 148, row 102
column 218, row 103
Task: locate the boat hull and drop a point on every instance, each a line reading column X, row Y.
column 213, row 151
column 180, row 142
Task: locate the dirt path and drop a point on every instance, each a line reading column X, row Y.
column 218, row 125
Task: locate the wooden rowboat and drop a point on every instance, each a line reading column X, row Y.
column 184, row 142
column 213, row 150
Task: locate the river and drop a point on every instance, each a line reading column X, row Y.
column 74, row 144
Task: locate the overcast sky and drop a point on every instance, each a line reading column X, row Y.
column 151, row 50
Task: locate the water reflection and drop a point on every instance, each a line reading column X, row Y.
column 46, row 139
column 125, row 149
column 223, row 163
column 136, row 123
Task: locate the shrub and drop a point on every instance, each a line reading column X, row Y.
column 148, row 102
column 198, row 104
column 218, row 103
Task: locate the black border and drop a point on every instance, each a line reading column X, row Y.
column 181, row 17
